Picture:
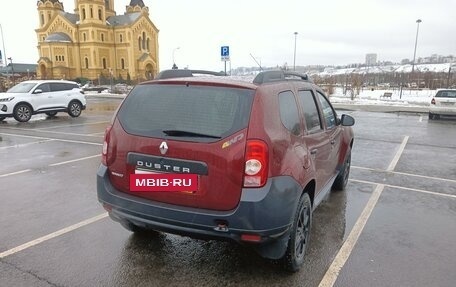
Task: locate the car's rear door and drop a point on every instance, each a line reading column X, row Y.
column 61, row 94
column 315, row 137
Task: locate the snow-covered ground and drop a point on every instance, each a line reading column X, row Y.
column 408, row 97
column 437, row 68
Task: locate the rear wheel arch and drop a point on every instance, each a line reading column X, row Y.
column 310, row 190
column 75, row 100
column 75, row 108
column 299, row 236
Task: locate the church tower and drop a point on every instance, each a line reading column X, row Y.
column 47, row 10
column 137, row 6
column 94, row 11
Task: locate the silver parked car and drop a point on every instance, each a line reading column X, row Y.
column 44, row 96
column 443, row 103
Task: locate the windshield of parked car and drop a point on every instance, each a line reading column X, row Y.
column 446, row 94
column 197, row 113
column 22, row 88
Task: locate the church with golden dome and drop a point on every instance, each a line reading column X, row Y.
column 94, row 42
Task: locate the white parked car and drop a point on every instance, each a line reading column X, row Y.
column 443, row 103
column 42, row 96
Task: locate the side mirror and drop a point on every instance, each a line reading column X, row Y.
column 347, row 120
column 38, row 91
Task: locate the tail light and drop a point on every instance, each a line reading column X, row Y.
column 256, row 164
column 433, row 101
column 105, row 151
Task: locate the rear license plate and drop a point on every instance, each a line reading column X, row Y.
column 150, row 181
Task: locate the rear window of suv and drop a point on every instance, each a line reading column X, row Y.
column 446, row 94
column 196, row 113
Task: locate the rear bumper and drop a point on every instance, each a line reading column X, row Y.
column 266, row 211
column 442, row 110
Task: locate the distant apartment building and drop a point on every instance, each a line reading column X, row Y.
column 371, row 59
column 436, row 59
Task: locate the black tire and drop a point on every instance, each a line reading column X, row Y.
column 299, row 235
column 2, row 118
column 22, row 113
column 74, row 109
column 431, row 116
column 342, row 178
column 51, row 114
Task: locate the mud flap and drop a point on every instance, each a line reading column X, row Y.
column 274, row 249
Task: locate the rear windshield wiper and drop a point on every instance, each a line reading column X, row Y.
column 180, row 133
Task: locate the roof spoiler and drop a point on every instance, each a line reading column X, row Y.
column 279, row 75
column 183, row 73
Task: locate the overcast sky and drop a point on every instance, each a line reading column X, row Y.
column 330, row 32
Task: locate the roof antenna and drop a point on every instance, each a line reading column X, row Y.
column 261, row 69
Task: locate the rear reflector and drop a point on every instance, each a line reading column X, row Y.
column 251, row 237
column 107, row 207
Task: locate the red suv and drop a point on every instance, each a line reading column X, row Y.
column 265, row 154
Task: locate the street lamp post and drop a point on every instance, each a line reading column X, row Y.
column 416, row 42
column 12, row 69
column 174, row 60
column 294, row 57
column 111, row 80
column 3, row 42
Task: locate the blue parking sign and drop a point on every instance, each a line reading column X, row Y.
column 225, row 53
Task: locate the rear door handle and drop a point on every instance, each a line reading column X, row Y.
column 333, row 142
column 314, row 151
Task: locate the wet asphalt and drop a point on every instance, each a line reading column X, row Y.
column 47, row 184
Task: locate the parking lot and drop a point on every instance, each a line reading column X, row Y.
column 395, row 225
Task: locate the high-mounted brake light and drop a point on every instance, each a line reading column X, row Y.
column 105, row 150
column 256, row 164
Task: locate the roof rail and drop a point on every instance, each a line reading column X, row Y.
column 183, row 73
column 279, row 75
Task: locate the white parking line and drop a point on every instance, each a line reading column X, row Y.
column 52, row 235
column 24, row 136
column 404, row 173
column 25, row 144
column 14, row 173
column 97, row 134
column 74, row 160
column 51, row 165
column 407, row 188
column 393, row 164
column 342, row 256
column 46, row 138
column 76, row 125
column 51, row 132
